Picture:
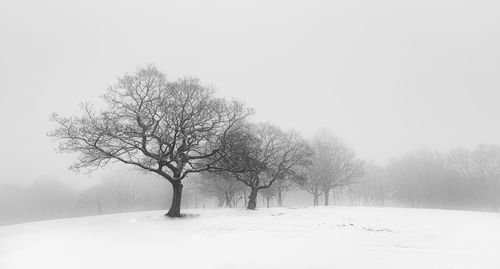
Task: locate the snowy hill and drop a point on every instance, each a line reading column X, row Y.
column 331, row 237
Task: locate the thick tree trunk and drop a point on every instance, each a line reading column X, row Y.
column 267, row 201
column 175, row 207
column 316, row 199
column 252, row 199
column 327, row 196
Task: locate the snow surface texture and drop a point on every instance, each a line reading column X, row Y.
column 322, row 237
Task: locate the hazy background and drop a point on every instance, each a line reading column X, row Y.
column 388, row 77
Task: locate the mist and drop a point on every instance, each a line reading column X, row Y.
column 387, row 77
column 372, row 108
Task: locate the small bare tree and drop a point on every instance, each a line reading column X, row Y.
column 165, row 127
column 93, row 196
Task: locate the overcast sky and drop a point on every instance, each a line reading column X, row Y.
column 388, row 77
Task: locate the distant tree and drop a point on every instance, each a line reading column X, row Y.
column 222, row 186
column 94, row 196
column 313, row 180
column 481, row 170
column 411, row 175
column 269, row 194
column 123, row 193
column 261, row 154
column 333, row 165
column 459, row 179
column 169, row 128
column 282, row 187
column 337, row 164
column 278, row 190
column 193, row 190
column 370, row 189
column 425, row 179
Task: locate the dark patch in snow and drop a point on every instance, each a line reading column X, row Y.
column 369, row 229
column 377, row 229
column 189, row 216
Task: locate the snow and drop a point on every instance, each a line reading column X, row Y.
column 322, row 237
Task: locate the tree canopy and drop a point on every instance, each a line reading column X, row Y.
column 166, row 127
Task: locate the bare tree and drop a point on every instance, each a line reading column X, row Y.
column 165, row 127
column 481, row 169
column 94, row 196
column 282, row 187
column 313, row 180
column 278, row 190
column 336, row 163
column 222, row 186
column 333, row 165
column 370, row 189
column 259, row 155
column 269, row 194
column 425, row 179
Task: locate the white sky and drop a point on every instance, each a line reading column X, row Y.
column 387, row 76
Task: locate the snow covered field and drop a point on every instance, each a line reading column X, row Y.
column 322, row 237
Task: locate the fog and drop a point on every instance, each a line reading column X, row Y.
column 389, row 78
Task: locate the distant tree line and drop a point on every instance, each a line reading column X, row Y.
column 48, row 198
column 458, row 179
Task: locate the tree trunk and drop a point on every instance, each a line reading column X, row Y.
column 175, row 207
column 228, row 200
column 316, row 199
column 252, row 199
column 327, row 196
column 220, row 201
column 280, row 199
column 268, row 199
column 245, row 198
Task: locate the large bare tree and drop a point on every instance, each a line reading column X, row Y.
column 169, row 128
column 260, row 154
